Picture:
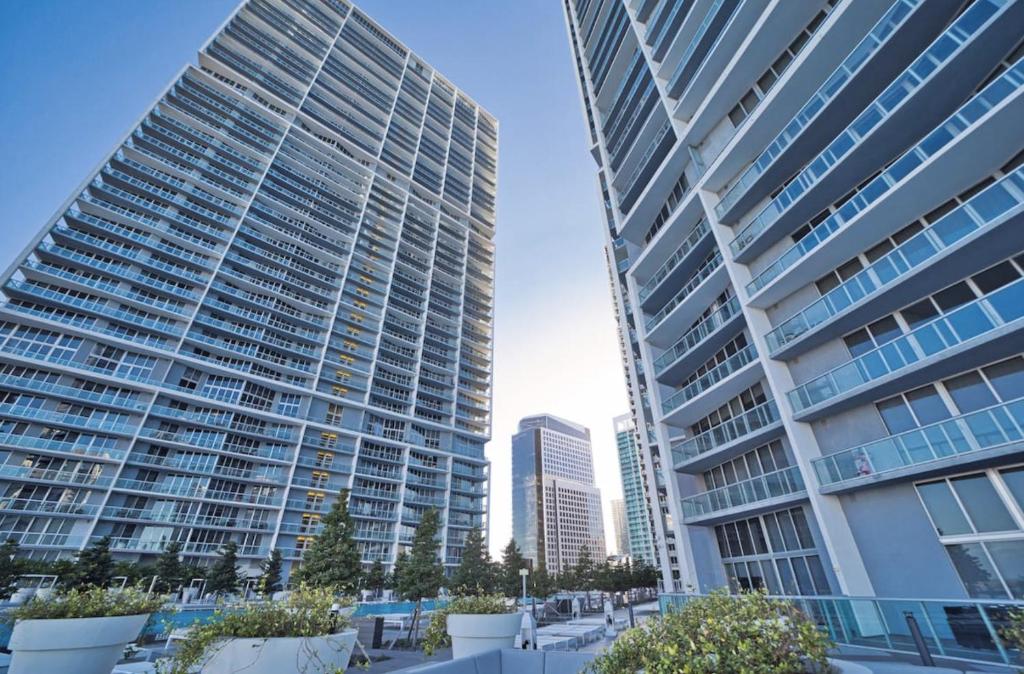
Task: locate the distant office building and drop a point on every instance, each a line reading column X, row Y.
column 815, row 223
column 277, row 285
column 556, row 509
column 618, row 507
column 636, row 506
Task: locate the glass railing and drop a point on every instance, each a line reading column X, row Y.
column 754, row 419
column 375, row 493
column 745, row 492
column 973, row 320
column 954, row 127
column 965, row 629
column 698, row 333
column 80, row 477
column 139, row 545
column 99, row 423
column 698, row 37
column 45, row 506
column 746, row 355
column 126, row 401
column 979, row 212
column 880, row 33
column 33, row 539
column 991, row 427
column 29, row 442
column 709, row 267
column 939, row 53
column 696, row 235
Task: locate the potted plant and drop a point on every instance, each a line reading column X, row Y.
column 472, row 625
column 298, row 634
column 82, row 631
column 721, row 634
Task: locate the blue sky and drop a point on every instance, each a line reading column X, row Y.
column 77, row 75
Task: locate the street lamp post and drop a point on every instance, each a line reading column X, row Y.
column 523, row 573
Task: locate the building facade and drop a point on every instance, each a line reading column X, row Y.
column 637, row 509
column 618, row 508
column 556, row 508
column 277, row 285
column 813, row 216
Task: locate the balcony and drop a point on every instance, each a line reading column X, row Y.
column 946, row 161
column 699, row 342
column 735, row 363
column 969, row 438
column 980, row 230
column 919, row 98
column 702, row 288
column 728, row 439
column 978, row 332
column 696, row 243
column 80, row 478
column 757, row 494
column 903, row 30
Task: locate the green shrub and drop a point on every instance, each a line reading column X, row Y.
column 94, row 602
column 721, row 634
column 305, row 613
column 1014, row 632
column 436, row 635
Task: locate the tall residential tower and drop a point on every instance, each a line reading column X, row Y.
column 277, row 285
column 556, row 509
column 637, row 506
column 813, row 216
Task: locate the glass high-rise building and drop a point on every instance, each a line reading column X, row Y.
column 279, row 284
column 636, row 505
column 556, row 507
column 813, row 215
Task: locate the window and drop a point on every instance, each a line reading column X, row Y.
column 288, row 404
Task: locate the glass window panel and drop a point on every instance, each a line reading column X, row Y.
column 983, row 505
column 976, row 571
column 954, row 296
column 745, row 541
column 734, row 539
column 803, row 531
column 742, row 579
column 885, row 330
column 920, row 313
column 760, row 545
column 789, row 537
column 896, row 415
column 996, row 277
column 803, row 576
column 754, row 573
column 818, row 575
column 1007, row 378
column 1009, row 560
column 945, row 512
column 768, row 569
column 730, row 574
column 723, row 544
column 774, row 535
column 859, row 343
column 1014, row 479
column 970, row 392
column 928, row 407
column 786, row 576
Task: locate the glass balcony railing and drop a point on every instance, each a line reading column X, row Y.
column 43, row 540
column 991, row 427
column 84, row 478
column 683, row 74
column 121, row 401
column 952, row 128
column 765, row 414
column 965, row 629
column 18, row 505
column 697, row 334
column 971, row 321
column 880, row 33
column 746, row 355
column 938, row 54
column 44, row 444
column 701, row 230
column 95, row 423
column 709, row 267
column 978, row 213
column 746, row 492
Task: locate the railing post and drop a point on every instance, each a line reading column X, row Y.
column 915, row 633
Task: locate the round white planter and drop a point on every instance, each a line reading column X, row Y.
column 308, row 655
column 472, row 634
column 80, row 645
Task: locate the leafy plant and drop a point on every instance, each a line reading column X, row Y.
column 11, row 568
column 1014, row 632
column 721, row 634
column 93, row 602
column 333, row 560
column 305, row 613
column 270, row 572
column 436, row 635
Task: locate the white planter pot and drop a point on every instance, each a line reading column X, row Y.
column 309, row 655
column 473, row 634
column 80, row 645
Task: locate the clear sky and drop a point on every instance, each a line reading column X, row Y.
column 77, row 75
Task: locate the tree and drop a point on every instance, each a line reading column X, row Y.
column 170, row 570
column 398, row 570
column 645, row 575
column 10, row 568
column 475, row 575
column 334, row 559
column 542, row 584
column 584, row 573
column 224, row 577
column 94, row 566
column 270, row 573
column 511, row 562
column 375, row 579
column 422, row 575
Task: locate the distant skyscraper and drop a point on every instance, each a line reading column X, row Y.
column 277, row 285
column 637, row 513
column 813, row 214
column 618, row 507
column 556, row 509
